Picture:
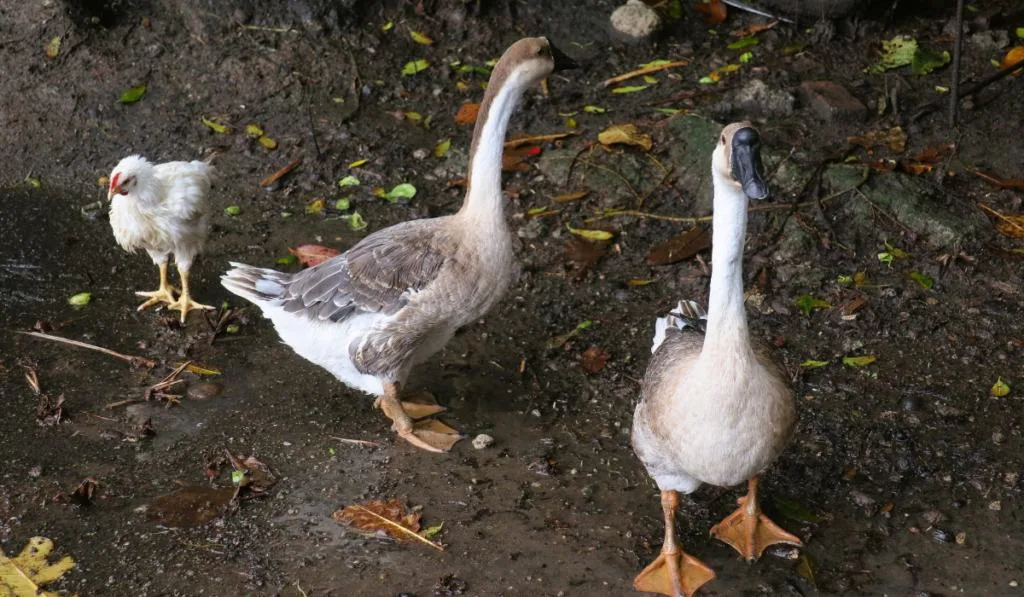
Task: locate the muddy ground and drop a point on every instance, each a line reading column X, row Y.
column 904, row 475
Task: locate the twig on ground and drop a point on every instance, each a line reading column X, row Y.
column 357, row 442
column 134, row 360
column 646, row 70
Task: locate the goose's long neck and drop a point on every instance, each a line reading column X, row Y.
column 483, row 202
column 727, row 319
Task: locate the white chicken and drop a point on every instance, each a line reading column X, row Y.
column 162, row 208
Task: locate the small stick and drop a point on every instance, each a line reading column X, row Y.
column 266, row 182
column 357, row 442
column 646, row 70
column 114, row 405
column 513, row 143
column 751, row 9
column 1001, row 217
column 954, row 94
column 134, row 360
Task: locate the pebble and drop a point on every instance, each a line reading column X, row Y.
column 420, row 154
column 482, row 441
column 911, row 403
column 995, row 506
column 204, row 390
column 635, row 20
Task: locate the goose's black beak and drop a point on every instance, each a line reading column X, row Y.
column 746, row 163
column 562, row 61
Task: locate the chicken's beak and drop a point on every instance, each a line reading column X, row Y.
column 113, row 191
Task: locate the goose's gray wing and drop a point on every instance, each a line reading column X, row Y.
column 378, row 274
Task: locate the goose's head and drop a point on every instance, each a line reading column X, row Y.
column 737, row 159
column 131, row 174
column 530, row 60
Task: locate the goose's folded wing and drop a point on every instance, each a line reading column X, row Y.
column 379, row 274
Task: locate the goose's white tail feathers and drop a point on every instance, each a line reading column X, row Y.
column 259, row 285
column 686, row 314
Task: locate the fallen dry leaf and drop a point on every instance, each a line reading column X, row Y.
column 310, row 255
column 85, row 491
column 714, row 11
column 1015, row 55
column 524, row 139
column 680, row 247
column 895, row 139
column 266, row 182
column 625, row 134
column 467, row 113
column 996, row 181
column 754, row 29
column 514, row 159
column 255, row 476
column 388, row 517
column 568, row 197
column 594, row 359
column 584, row 253
column 24, row 574
column 1011, row 225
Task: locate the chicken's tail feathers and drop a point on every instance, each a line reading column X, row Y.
column 259, row 285
column 687, row 314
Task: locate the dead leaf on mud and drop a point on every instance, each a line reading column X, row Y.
column 754, row 29
column 250, row 474
column 467, row 113
column 895, row 139
column 1011, row 225
column 390, row 518
column 85, row 491
column 310, row 255
column 679, row 247
column 190, row 506
column 1013, row 56
column 996, row 181
column 570, row 197
column 514, row 159
column 25, row 574
column 625, row 134
column 584, row 254
column 266, row 182
column 49, row 411
column 594, row 359
column 714, row 11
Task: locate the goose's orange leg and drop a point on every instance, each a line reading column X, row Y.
column 675, row 572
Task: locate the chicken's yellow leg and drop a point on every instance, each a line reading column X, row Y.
column 164, row 294
column 749, row 531
column 675, row 572
column 185, row 302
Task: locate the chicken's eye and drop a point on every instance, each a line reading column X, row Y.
column 122, row 191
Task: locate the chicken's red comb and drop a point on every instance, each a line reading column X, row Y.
column 113, row 181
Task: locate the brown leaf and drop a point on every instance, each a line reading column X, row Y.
column 1001, row 183
column 514, row 159
column 84, row 492
column 679, row 247
column 49, row 411
column 594, row 359
column 934, row 153
column 467, row 113
column 916, row 168
column 310, row 255
column 895, row 139
column 266, row 182
column 714, row 11
column 584, row 253
column 389, row 517
column 754, row 29
column 568, row 197
column 854, row 305
column 1011, row 225
column 625, row 134
column 257, row 476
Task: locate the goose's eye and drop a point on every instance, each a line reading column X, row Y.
column 542, row 51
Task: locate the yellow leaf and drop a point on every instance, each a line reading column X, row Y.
column 53, row 48
column 862, row 361
column 22, row 576
column 253, row 130
column 420, row 38
column 626, row 134
column 199, row 369
column 441, row 149
column 413, row 117
column 591, row 234
column 640, row 281
column 1000, row 388
column 216, row 126
column 267, row 142
column 357, row 163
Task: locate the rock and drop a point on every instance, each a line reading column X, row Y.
column 635, row 21
column 756, row 98
column 204, row 390
column 482, row 441
column 989, row 42
column 831, row 101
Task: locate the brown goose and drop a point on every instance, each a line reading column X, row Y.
column 716, row 407
column 396, row 298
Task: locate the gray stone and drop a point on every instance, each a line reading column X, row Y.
column 635, row 20
column 756, row 98
column 989, row 41
column 831, row 101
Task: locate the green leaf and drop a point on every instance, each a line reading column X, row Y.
column 132, row 95
column 925, row 281
column 844, row 279
column 357, row 163
column 941, row 90
column 401, row 191
column 629, row 89
column 999, row 389
column 591, row 234
column 886, row 258
column 594, row 109
column 288, row 259
column 80, row 299
column 1020, row 32
column 429, row 532
column 707, row 81
column 808, row 303
column 53, row 48
column 812, row 364
column 33, row 181
column 743, row 42
column 746, row 57
column 896, row 52
column 925, row 61
column 387, row 26
column 356, row 221
column 415, row 66
column 215, row 126
column 420, row 38
column 343, row 204
column 253, row 130
column 441, row 149
column 316, row 206
column 675, row 10
column 668, row 111
column 237, row 476
column 233, row 210
column 861, row 361
column 348, row 181
column 652, row 64
column 650, row 80
column 793, row 49
column 233, row 328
